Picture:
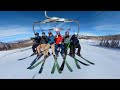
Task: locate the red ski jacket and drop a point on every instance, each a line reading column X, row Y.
column 58, row 39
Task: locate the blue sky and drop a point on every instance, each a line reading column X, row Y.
column 17, row 25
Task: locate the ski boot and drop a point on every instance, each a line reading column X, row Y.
column 49, row 53
column 72, row 55
column 34, row 53
column 78, row 54
column 55, row 56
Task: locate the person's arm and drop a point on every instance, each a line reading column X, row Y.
column 32, row 38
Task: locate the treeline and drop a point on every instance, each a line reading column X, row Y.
column 110, row 41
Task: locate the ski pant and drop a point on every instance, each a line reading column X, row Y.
column 73, row 48
column 56, row 48
column 34, row 46
column 47, row 48
column 65, row 48
column 41, row 46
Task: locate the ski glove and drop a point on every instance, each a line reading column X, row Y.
column 32, row 38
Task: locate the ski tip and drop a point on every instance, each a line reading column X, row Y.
column 29, row 68
column 60, row 71
column 52, row 72
column 21, row 59
column 92, row 63
column 79, row 67
column 39, row 72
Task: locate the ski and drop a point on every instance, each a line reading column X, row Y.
column 70, row 69
column 32, row 67
column 34, row 61
column 63, row 64
column 78, row 66
column 55, row 65
column 53, row 68
column 82, row 62
column 41, row 69
column 26, row 57
column 86, row 60
column 76, row 62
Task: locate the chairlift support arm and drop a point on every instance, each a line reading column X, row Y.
column 49, row 20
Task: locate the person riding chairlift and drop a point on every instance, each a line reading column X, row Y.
column 43, row 43
column 58, row 43
column 51, row 43
column 36, row 42
column 66, row 41
column 74, row 43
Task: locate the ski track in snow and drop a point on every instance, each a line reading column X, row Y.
column 107, row 63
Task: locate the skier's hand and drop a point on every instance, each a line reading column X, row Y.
column 60, row 42
column 32, row 38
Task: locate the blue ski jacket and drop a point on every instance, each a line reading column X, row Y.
column 51, row 39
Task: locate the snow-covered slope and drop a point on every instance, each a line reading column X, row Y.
column 107, row 63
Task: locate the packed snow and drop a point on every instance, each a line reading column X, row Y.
column 107, row 63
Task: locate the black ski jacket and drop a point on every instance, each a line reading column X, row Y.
column 74, row 40
column 37, row 40
column 44, row 40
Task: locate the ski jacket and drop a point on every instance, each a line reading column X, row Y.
column 74, row 40
column 37, row 40
column 44, row 40
column 66, row 39
column 51, row 39
column 58, row 39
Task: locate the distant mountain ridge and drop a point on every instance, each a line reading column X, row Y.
column 15, row 44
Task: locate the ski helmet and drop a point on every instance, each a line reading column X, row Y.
column 75, row 33
column 36, row 33
column 67, row 33
column 49, row 32
column 58, row 32
column 43, row 32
